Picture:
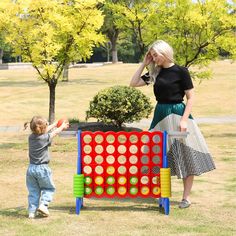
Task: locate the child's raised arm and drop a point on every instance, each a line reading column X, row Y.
column 52, row 126
column 63, row 126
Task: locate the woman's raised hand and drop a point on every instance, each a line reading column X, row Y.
column 147, row 59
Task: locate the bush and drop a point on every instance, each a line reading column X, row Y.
column 74, row 121
column 119, row 104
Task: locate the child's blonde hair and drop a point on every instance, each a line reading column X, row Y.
column 165, row 50
column 38, row 125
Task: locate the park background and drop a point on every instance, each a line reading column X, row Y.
column 213, row 196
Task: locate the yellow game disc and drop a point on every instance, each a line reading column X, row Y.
column 156, row 190
column 122, row 190
column 99, row 180
column 122, row 180
column 110, row 170
column 145, row 190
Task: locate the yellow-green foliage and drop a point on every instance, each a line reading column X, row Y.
column 197, row 30
column 51, row 33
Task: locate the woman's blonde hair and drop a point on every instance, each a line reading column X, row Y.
column 38, row 125
column 163, row 48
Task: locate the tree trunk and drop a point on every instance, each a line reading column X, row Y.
column 108, row 48
column 52, row 92
column 114, row 50
column 1, row 55
column 113, row 37
column 65, row 75
column 114, row 55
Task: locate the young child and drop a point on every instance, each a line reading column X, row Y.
column 39, row 176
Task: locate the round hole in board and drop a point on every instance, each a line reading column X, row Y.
column 87, row 159
column 145, row 149
column 121, row 159
column 133, row 159
column 144, row 159
column 156, row 138
column 87, row 138
column 122, row 149
column 122, row 138
column 99, row 138
column 133, row 149
column 99, row 159
column 110, row 138
column 110, row 149
column 99, row 149
column 87, row 149
column 133, row 138
column 145, row 138
column 110, row 159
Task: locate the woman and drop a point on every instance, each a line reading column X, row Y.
column 171, row 83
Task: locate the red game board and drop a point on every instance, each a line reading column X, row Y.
column 121, row 164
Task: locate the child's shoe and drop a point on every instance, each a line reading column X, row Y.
column 32, row 215
column 43, row 210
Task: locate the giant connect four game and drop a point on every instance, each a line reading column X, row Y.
column 121, row 165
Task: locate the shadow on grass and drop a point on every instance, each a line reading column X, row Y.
column 21, row 213
column 88, row 81
column 7, row 145
column 139, row 205
column 22, row 84
column 17, row 212
column 134, row 208
column 12, row 145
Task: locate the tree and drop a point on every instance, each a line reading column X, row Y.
column 50, row 34
column 1, row 51
column 197, row 30
column 133, row 18
column 110, row 29
column 124, row 23
column 3, row 48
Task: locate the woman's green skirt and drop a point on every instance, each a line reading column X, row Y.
column 186, row 156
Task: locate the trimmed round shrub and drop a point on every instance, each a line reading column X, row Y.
column 118, row 105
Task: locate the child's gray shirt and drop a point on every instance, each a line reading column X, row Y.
column 38, row 148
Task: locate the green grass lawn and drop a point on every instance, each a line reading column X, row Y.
column 213, row 209
column 213, row 196
column 23, row 96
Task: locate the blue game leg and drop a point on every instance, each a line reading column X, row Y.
column 82, row 202
column 79, row 200
column 160, row 202
column 166, row 206
column 78, row 205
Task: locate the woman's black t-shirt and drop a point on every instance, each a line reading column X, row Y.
column 170, row 84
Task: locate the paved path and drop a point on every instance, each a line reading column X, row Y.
column 145, row 123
